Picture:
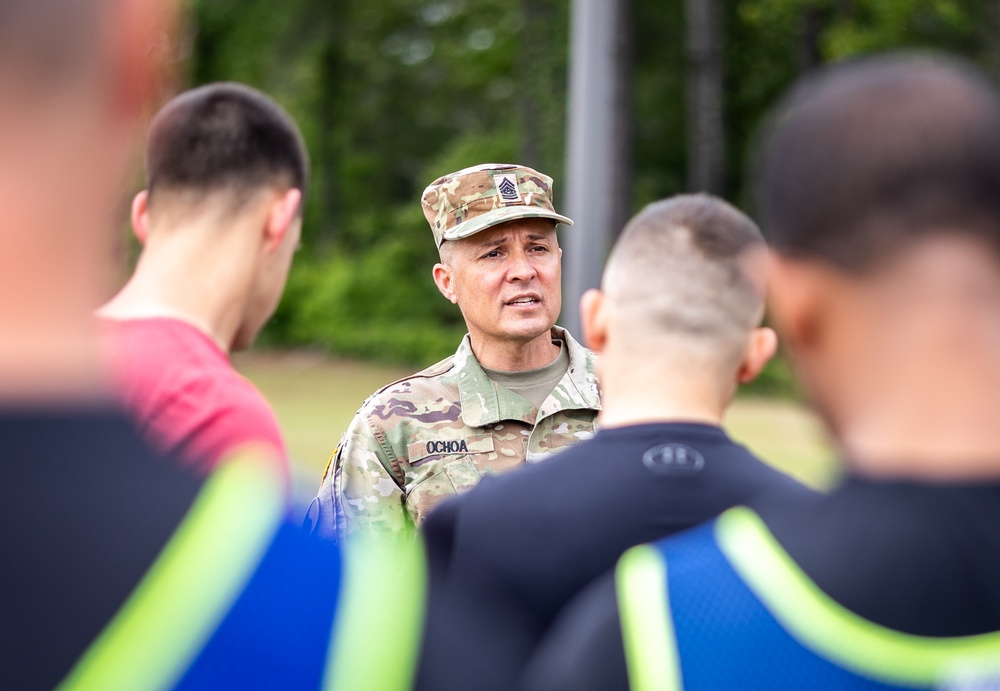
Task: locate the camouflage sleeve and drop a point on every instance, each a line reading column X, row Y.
column 363, row 495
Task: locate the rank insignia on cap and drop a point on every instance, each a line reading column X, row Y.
column 507, row 187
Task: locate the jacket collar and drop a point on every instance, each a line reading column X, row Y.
column 484, row 403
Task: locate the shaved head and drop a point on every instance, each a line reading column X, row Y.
column 690, row 268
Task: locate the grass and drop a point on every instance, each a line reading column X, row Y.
column 315, row 396
column 786, row 434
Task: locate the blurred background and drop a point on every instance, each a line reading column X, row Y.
column 392, row 94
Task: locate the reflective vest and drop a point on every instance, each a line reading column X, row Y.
column 241, row 598
column 724, row 607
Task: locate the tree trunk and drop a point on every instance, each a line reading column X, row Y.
column 807, row 54
column 327, row 115
column 991, row 39
column 532, row 67
column 622, row 133
column 703, row 93
column 540, row 66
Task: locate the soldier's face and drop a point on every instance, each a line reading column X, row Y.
column 506, row 280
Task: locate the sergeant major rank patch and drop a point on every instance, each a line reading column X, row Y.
column 507, row 187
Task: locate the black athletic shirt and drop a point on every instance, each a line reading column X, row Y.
column 505, row 557
column 917, row 558
column 85, row 508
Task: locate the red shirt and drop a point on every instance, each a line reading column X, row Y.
column 184, row 395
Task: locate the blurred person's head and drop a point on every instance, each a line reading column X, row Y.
column 869, row 158
column 682, row 298
column 495, row 228
column 74, row 79
column 878, row 187
column 227, row 173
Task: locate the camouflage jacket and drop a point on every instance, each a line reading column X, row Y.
column 434, row 434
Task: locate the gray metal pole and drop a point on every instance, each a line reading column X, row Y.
column 703, row 93
column 597, row 153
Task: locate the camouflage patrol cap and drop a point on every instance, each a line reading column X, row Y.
column 473, row 199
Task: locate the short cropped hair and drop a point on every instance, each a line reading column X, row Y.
column 224, row 136
column 681, row 269
column 869, row 156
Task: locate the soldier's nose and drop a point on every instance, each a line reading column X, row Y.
column 520, row 269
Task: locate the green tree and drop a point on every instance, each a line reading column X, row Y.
column 392, row 94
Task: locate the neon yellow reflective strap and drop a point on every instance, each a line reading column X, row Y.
column 836, row 633
column 382, row 596
column 647, row 627
column 192, row 584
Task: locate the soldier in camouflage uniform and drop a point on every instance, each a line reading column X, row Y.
column 518, row 389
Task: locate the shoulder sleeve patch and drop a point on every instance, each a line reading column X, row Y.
column 329, row 464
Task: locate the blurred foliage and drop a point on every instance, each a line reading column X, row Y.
column 392, row 94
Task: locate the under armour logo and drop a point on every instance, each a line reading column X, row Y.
column 507, row 187
column 673, row 459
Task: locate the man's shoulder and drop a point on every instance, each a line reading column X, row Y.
column 161, row 331
column 193, row 401
column 439, row 381
column 739, row 475
column 237, row 411
column 578, row 387
column 610, row 466
column 180, row 351
column 161, row 362
column 231, row 391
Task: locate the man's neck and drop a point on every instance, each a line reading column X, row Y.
column 621, row 409
column 514, row 356
column 924, row 417
column 906, row 367
column 654, row 391
column 194, row 275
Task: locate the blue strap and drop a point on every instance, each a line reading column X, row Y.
column 277, row 632
column 727, row 639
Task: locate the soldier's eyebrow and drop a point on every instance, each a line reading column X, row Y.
column 503, row 239
column 495, row 242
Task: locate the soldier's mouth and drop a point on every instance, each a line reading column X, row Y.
column 525, row 300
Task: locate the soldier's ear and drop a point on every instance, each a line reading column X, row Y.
column 444, row 282
column 594, row 319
